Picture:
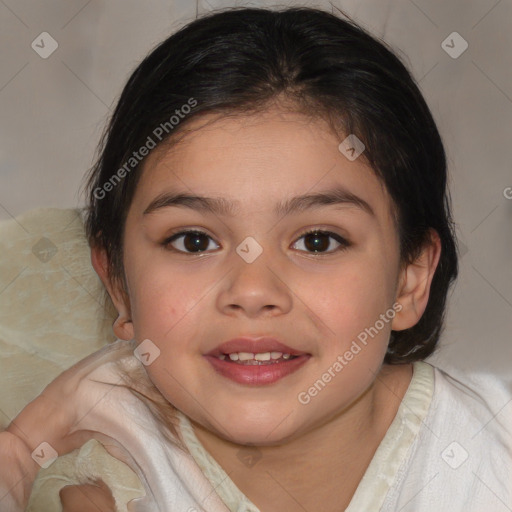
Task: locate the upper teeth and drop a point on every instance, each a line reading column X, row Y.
column 261, row 356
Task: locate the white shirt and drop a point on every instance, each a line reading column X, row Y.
column 448, row 449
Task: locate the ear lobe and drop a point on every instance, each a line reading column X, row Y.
column 414, row 284
column 123, row 327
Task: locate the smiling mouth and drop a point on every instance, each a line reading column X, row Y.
column 256, row 369
column 260, row 359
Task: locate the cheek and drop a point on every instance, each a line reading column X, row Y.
column 159, row 298
column 350, row 299
column 350, row 303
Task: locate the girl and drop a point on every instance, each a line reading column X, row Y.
column 269, row 215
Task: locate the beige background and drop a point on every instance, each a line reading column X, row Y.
column 53, row 111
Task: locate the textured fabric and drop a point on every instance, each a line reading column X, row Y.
column 395, row 447
column 52, row 311
column 462, row 457
column 81, row 466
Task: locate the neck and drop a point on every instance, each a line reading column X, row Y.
column 325, row 464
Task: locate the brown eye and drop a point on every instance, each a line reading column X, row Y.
column 189, row 242
column 320, row 241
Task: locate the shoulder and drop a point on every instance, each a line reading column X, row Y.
column 480, row 399
column 462, row 456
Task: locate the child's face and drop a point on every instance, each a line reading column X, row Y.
column 189, row 303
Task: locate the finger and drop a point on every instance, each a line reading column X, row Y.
column 95, row 497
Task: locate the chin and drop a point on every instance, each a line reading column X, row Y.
column 255, row 438
column 259, row 432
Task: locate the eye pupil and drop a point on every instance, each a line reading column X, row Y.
column 320, row 242
column 195, row 242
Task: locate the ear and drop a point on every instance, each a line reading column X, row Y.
column 414, row 284
column 123, row 327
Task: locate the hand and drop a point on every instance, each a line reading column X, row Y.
column 95, row 497
column 63, row 416
column 17, row 473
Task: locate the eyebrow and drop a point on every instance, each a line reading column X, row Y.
column 337, row 196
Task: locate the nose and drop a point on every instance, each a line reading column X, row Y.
column 254, row 289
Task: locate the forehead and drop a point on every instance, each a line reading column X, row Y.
column 256, row 161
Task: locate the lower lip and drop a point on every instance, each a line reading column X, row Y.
column 257, row 374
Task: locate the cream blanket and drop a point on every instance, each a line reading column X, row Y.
column 53, row 313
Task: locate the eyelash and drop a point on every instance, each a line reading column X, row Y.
column 344, row 244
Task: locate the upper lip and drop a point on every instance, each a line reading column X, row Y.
column 253, row 346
